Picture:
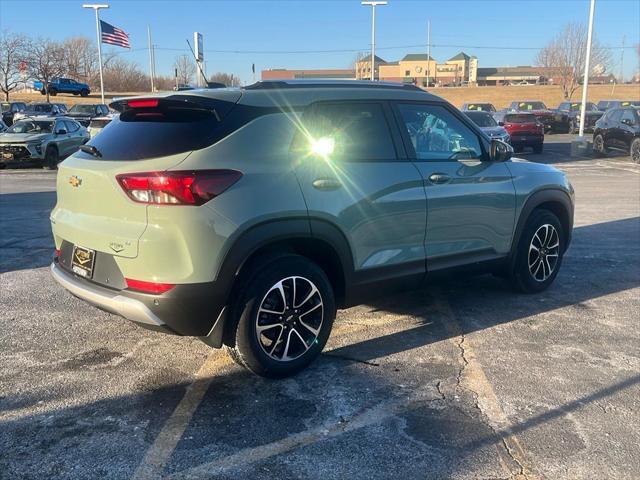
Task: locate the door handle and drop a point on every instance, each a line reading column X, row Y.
column 439, row 178
column 326, row 184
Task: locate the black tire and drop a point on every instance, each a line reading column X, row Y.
column 537, row 148
column 248, row 348
column 573, row 127
column 84, row 93
column 43, row 91
column 634, row 151
column 516, row 147
column 528, row 279
column 51, row 158
column 53, row 92
column 599, row 148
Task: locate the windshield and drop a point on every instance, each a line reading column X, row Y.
column 520, row 118
column 31, row 126
column 576, row 106
column 87, row 109
column 40, row 107
column 482, row 119
column 487, row 107
column 531, row 106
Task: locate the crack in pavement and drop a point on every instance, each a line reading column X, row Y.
column 472, row 379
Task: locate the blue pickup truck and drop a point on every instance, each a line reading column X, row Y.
column 63, row 85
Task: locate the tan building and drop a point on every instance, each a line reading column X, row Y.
column 416, row 68
column 363, row 67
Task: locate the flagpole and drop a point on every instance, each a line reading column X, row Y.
column 96, row 8
column 150, row 57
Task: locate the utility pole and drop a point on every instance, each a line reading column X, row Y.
column 373, row 5
column 624, row 38
column 428, row 52
column 587, row 67
column 151, row 73
column 96, row 9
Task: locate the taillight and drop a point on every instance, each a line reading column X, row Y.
column 177, row 188
column 148, row 287
column 143, row 103
column 56, row 253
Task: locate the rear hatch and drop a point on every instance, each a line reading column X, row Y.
column 522, row 124
column 150, row 135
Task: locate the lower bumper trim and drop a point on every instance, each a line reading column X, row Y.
column 108, row 300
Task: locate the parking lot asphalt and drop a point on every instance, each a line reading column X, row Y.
column 463, row 379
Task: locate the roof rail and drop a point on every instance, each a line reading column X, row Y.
column 289, row 84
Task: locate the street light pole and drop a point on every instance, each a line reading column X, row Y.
column 373, row 5
column 96, row 8
column 585, row 81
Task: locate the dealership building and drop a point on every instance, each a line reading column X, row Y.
column 422, row 70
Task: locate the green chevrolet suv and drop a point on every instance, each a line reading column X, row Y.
column 246, row 217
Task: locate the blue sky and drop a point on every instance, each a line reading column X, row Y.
column 274, row 27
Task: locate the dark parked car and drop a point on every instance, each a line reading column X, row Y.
column 40, row 110
column 618, row 129
column 591, row 115
column 524, row 128
column 488, row 125
column 607, row 104
column 556, row 122
column 83, row 113
column 485, row 107
column 9, row 109
column 3, row 126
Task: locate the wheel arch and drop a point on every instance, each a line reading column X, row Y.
column 556, row 201
column 317, row 240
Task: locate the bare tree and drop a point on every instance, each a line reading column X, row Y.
column 80, row 59
column 124, row 76
column 185, row 68
column 229, row 79
column 564, row 57
column 12, row 55
column 46, row 60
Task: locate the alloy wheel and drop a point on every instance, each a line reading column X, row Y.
column 543, row 252
column 598, row 144
column 289, row 318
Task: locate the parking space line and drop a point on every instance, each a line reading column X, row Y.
column 165, row 443
column 473, row 378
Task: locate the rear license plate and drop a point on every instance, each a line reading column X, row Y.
column 7, row 156
column 82, row 261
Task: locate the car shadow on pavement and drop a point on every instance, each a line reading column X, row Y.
column 25, row 232
column 599, row 262
column 341, row 418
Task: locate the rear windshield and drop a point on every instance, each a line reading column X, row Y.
column 482, row 119
column 40, row 107
column 520, row 118
column 99, row 123
column 88, row 109
column 175, row 126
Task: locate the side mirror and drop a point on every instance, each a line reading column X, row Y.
column 62, row 131
column 501, row 124
column 500, row 151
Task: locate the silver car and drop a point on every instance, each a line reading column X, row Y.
column 488, row 125
column 41, row 140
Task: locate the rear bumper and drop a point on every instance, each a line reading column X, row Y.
column 190, row 309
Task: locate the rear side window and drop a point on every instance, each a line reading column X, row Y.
column 519, row 118
column 348, row 132
column 98, row 123
column 169, row 128
column 615, row 116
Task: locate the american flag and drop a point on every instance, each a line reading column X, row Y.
column 113, row 35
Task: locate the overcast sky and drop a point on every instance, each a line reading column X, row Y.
column 239, row 33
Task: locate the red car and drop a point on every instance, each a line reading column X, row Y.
column 524, row 128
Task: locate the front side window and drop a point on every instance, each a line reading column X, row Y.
column 71, row 126
column 436, row 134
column 615, row 116
column 346, row 132
column 629, row 115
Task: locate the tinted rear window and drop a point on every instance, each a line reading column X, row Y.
column 171, row 128
column 520, row 118
column 482, row 119
column 98, row 123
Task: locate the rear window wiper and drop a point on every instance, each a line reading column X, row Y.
column 90, row 149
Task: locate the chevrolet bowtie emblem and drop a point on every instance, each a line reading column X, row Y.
column 75, row 181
